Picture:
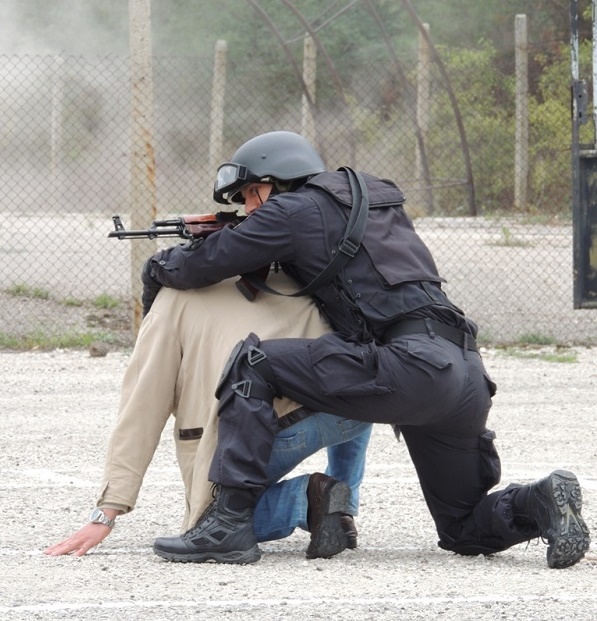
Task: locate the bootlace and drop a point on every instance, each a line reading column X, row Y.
column 204, row 515
column 204, row 519
column 536, row 541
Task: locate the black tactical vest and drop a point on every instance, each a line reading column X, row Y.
column 393, row 273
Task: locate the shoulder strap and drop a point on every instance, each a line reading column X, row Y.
column 349, row 244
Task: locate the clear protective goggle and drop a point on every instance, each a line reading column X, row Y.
column 230, row 179
column 229, row 175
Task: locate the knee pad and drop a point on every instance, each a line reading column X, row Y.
column 228, row 367
column 248, row 372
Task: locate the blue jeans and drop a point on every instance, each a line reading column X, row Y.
column 283, row 506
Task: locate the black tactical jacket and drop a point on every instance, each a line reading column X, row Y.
column 393, row 274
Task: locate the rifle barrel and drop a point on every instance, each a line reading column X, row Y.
column 148, row 233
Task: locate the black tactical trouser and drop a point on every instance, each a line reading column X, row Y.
column 436, row 391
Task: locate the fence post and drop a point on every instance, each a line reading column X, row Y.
column 142, row 179
column 309, row 77
column 521, row 146
column 216, row 130
column 423, row 104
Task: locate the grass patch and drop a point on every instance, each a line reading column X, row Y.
column 547, row 356
column 509, row 240
column 536, row 339
column 72, row 302
column 25, row 291
column 38, row 340
column 535, row 346
column 105, row 301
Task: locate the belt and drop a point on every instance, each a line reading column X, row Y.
column 296, row 416
column 432, row 328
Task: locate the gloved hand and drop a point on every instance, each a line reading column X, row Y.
column 164, row 266
column 151, row 287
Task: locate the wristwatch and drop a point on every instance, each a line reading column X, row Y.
column 97, row 516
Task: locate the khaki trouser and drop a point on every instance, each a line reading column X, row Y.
column 182, row 347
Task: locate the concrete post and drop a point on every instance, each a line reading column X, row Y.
column 309, row 77
column 143, row 171
column 216, row 129
column 423, row 110
column 521, row 151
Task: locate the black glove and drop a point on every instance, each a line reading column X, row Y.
column 151, row 287
column 165, row 265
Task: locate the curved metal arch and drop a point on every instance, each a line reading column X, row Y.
column 286, row 49
column 321, row 48
column 331, row 69
column 463, row 141
column 319, row 45
column 329, row 20
column 418, row 133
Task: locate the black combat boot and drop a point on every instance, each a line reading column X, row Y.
column 328, row 500
column 224, row 533
column 554, row 504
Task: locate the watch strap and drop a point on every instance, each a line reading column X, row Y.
column 97, row 516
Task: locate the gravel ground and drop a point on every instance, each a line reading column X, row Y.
column 59, row 408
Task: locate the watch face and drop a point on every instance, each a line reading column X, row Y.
column 97, row 516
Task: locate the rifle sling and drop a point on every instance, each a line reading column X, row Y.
column 349, row 244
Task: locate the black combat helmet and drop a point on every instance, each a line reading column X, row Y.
column 277, row 157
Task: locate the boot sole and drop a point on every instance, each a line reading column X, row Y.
column 236, row 557
column 570, row 539
column 330, row 538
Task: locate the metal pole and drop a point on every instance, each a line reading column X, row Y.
column 423, row 109
column 575, row 152
column 216, row 132
column 309, row 77
column 143, row 181
column 594, row 48
column 521, row 142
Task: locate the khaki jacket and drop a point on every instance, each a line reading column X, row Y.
column 182, row 347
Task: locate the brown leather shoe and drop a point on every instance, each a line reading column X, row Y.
column 328, row 500
column 350, row 530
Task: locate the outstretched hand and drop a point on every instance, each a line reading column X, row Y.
column 80, row 542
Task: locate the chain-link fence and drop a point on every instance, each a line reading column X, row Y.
column 446, row 133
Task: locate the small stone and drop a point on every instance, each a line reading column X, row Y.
column 97, row 350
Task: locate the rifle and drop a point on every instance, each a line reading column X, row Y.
column 192, row 227
column 187, row 227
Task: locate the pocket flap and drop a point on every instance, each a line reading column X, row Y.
column 430, row 353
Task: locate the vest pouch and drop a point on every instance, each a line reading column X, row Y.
column 392, row 303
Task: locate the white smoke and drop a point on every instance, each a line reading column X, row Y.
column 66, row 27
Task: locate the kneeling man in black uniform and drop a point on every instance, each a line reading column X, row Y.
column 401, row 353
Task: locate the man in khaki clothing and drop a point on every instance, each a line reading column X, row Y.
column 180, row 352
